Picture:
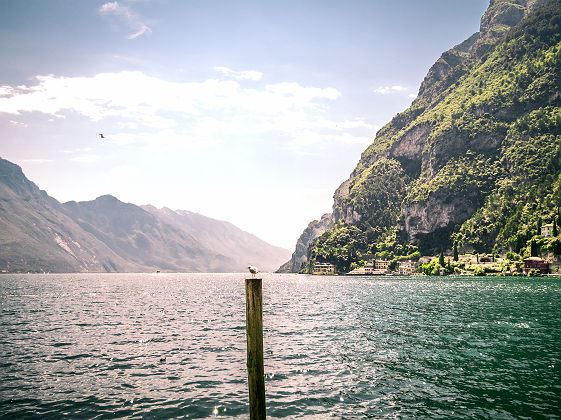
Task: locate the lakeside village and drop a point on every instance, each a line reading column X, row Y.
column 511, row 264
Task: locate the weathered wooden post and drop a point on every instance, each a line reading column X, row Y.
column 254, row 330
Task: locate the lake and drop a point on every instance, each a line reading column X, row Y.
column 91, row 346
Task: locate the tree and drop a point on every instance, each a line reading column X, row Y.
column 455, row 251
column 555, row 232
column 539, row 226
column 556, row 247
column 518, row 245
column 533, row 249
column 441, row 259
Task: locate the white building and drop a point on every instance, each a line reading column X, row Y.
column 407, row 268
column 547, row 230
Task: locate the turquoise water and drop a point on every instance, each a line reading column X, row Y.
column 90, row 346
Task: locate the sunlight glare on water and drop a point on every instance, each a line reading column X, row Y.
column 173, row 345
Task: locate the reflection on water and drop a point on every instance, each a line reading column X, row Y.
column 173, row 345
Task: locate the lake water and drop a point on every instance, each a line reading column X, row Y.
column 89, row 346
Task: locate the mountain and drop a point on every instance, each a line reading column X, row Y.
column 37, row 233
column 240, row 247
column 313, row 231
column 475, row 159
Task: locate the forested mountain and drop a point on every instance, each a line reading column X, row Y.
column 39, row 234
column 475, row 160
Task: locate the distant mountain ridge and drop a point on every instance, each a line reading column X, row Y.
column 475, row 160
column 39, row 234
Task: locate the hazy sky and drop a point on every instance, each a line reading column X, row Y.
column 247, row 111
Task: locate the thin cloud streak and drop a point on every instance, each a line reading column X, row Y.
column 125, row 14
column 240, row 75
column 384, row 90
column 38, row 160
column 86, row 158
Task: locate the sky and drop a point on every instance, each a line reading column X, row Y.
column 252, row 112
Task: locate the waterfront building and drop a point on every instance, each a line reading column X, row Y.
column 407, row 268
column 323, row 269
column 535, row 263
column 381, row 265
column 366, row 270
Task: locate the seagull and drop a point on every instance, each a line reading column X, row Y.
column 101, row 135
column 253, row 270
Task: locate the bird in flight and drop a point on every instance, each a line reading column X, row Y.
column 101, row 135
column 253, row 270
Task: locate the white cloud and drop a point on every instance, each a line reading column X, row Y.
column 130, row 18
column 384, row 90
column 85, row 158
column 240, row 75
column 151, row 110
column 307, row 138
column 17, row 123
column 109, row 7
column 143, row 30
column 6, row 90
column 38, row 160
column 80, row 150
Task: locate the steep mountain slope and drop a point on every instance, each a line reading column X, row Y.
column 224, row 238
column 314, row 230
column 140, row 237
column 37, row 233
column 475, row 159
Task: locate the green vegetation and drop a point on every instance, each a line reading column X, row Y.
column 348, row 246
column 484, row 140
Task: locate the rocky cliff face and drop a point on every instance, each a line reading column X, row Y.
column 313, row 231
column 436, row 165
column 423, row 145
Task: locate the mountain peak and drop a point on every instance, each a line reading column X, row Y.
column 107, row 198
column 12, row 176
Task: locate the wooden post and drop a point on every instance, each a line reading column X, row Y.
column 254, row 330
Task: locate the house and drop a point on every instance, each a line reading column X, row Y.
column 381, row 265
column 367, row 270
column 547, row 230
column 535, row 263
column 374, row 268
column 406, row 268
column 359, row 271
column 324, row 269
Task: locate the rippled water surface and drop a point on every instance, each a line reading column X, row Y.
column 91, row 346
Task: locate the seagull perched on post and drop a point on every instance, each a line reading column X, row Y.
column 253, row 270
